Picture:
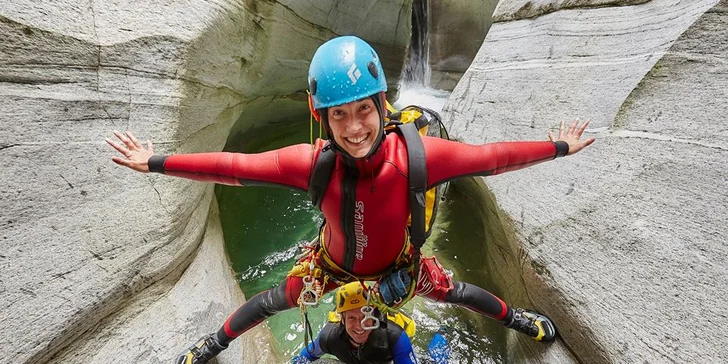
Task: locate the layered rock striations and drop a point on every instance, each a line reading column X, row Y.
column 92, row 254
column 623, row 245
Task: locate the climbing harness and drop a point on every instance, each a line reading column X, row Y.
column 310, row 295
column 411, row 122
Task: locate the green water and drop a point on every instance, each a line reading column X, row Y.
column 263, row 225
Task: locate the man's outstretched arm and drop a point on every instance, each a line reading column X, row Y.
column 402, row 351
column 308, row 354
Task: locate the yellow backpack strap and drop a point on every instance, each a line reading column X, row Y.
column 333, row 317
column 390, row 108
column 405, row 322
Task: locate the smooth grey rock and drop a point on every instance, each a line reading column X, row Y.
column 82, row 238
column 385, row 24
column 623, row 244
column 526, row 9
column 179, row 312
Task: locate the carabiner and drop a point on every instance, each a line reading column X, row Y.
column 368, row 315
column 309, row 296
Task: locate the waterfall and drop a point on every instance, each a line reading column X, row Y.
column 415, row 88
column 417, row 69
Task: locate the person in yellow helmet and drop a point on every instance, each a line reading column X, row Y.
column 357, row 338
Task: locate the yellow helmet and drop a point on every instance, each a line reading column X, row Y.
column 350, row 296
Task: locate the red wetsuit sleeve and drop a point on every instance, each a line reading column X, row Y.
column 448, row 159
column 288, row 167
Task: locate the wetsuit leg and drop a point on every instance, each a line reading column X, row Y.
column 260, row 307
column 434, row 284
column 478, row 300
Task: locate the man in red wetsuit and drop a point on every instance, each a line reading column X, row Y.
column 366, row 203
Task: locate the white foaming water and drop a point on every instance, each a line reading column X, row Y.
column 412, row 94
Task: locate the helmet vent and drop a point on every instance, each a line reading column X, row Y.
column 373, row 69
column 312, row 86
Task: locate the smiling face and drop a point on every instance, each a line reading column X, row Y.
column 355, row 126
column 352, row 322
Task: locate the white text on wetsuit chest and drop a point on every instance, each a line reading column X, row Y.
column 361, row 238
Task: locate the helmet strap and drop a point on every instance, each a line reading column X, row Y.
column 314, row 112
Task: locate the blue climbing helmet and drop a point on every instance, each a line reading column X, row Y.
column 342, row 70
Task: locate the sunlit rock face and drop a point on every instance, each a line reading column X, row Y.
column 623, row 244
column 92, row 254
